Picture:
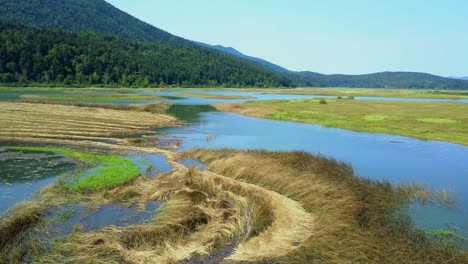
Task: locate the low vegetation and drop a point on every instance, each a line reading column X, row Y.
column 425, row 120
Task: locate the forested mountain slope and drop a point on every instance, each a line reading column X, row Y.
column 81, row 15
column 29, row 55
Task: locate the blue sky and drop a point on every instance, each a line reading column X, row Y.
column 334, row 36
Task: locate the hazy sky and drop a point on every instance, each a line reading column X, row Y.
column 334, row 36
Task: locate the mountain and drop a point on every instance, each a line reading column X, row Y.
column 81, row 15
column 31, row 56
column 98, row 21
column 413, row 80
column 374, row 80
column 143, row 54
column 459, row 78
column 232, row 51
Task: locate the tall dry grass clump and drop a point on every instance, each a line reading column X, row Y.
column 356, row 220
column 13, row 228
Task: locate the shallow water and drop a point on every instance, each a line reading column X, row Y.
column 63, row 220
column 192, row 163
column 150, row 164
column 117, row 215
column 22, row 173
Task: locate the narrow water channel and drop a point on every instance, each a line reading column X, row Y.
column 396, row 159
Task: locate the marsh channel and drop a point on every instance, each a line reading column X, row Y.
column 397, row 159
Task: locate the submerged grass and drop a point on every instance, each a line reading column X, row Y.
column 357, row 220
column 424, row 120
column 115, row 170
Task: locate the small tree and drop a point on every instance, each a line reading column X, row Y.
column 323, row 101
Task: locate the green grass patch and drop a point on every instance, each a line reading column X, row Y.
column 447, row 237
column 113, row 170
column 64, row 215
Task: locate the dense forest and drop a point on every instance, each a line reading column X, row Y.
column 82, row 15
column 29, row 55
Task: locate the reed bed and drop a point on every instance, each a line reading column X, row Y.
column 356, row 220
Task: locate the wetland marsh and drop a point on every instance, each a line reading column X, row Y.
column 135, row 186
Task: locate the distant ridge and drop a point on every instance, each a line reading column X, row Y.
column 237, row 53
column 414, row 80
column 459, row 78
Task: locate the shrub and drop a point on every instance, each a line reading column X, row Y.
column 323, row 101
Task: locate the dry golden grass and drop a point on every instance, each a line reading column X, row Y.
column 198, row 217
column 280, row 207
column 46, row 122
column 244, row 109
column 204, row 212
column 355, row 220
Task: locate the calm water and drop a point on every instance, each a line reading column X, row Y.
column 393, row 158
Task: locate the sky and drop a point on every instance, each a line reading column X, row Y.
column 334, row 36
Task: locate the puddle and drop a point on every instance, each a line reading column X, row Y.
column 62, row 221
column 192, row 163
column 151, row 164
column 24, row 172
column 117, row 215
column 432, row 217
